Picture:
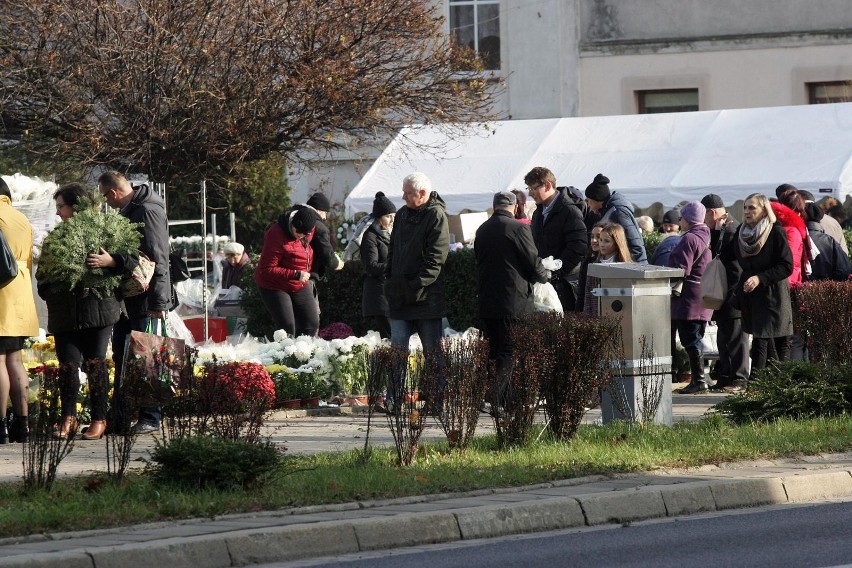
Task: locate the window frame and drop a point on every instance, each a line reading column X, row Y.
column 812, row 86
column 642, row 107
column 449, row 4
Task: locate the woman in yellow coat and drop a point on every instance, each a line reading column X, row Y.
column 18, row 320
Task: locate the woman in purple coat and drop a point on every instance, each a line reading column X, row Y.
column 689, row 318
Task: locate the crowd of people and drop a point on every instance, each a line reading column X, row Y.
column 781, row 241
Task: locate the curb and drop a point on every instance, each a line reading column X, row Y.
column 330, row 538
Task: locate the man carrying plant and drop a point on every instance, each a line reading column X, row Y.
column 139, row 205
column 508, row 264
column 415, row 284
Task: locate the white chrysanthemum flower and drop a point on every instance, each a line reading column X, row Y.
column 279, row 335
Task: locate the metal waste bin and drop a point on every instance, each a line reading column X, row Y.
column 640, row 296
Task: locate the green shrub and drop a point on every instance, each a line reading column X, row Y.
column 791, row 389
column 652, row 240
column 200, row 462
column 848, row 234
column 461, row 289
column 340, row 296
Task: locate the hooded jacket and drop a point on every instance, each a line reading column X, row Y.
column 417, row 251
column 797, row 239
column 283, row 257
column 618, row 210
column 147, row 207
column 374, row 256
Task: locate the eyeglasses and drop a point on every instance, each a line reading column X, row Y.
column 532, row 188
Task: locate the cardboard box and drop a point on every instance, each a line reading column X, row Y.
column 464, row 226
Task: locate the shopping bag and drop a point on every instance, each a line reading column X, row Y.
column 8, row 262
column 714, row 285
column 545, row 298
column 153, row 364
column 139, row 279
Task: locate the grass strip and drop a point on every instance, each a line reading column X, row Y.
column 90, row 502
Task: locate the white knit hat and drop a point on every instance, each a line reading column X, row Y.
column 234, row 248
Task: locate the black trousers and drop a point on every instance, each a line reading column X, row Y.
column 763, row 349
column 498, row 332
column 733, row 351
column 72, row 350
column 297, row 313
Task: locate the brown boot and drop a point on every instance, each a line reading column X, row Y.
column 95, row 431
column 67, row 428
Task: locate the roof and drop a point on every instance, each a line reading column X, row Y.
column 665, row 158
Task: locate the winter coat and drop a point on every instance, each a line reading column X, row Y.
column 322, row 245
column 18, row 316
column 664, row 249
column 766, row 311
column 692, row 254
column 831, row 263
column 374, row 256
column 833, row 229
column 797, row 236
column 282, row 257
column 562, row 235
column 417, row 251
column 75, row 310
column 233, row 273
column 508, row 264
column 618, row 210
column 718, row 239
column 147, row 207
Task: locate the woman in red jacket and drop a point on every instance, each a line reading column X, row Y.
column 283, row 274
column 789, row 210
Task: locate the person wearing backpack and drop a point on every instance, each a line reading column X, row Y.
column 374, row 255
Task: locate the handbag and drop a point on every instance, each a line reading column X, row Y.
column 178, row 270
column 139, row 279
column 153, row 364
column 8, row 262
column 714, row 285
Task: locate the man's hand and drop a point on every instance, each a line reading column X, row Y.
column 100, row 260
column 156, row 314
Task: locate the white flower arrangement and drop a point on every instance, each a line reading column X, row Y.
column 324, row 359
column 193, row 243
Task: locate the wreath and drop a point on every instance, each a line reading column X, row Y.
column 63, row 252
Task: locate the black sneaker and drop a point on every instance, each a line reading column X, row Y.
column 694, row 388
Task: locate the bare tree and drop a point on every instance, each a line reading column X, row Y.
column 198, row 87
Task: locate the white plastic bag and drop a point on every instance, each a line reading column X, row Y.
column 552, row 264
column 545, row 298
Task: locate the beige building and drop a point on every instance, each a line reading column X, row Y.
column 563, row 58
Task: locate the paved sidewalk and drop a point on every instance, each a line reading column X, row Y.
column 310, row 532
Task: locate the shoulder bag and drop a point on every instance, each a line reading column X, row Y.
column 139, row 279
column 8, row 263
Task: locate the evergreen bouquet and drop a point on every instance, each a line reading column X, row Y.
column 63, row 252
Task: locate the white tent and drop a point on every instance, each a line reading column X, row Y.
column 665, row 158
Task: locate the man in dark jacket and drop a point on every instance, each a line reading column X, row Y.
column 558, row 231
column 614, row 208
column 732, row 368
column 418, row 249
column 508, row 264
column 831, row 263
column 139, row 205
column 324, row 257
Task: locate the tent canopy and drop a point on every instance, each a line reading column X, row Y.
column 665, row 158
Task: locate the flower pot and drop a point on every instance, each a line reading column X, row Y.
column 358, row 399
column 292, row 404
column 312, row 402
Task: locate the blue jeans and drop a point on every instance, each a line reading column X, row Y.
column 430, row 332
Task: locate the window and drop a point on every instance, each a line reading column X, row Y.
column 476, row 24
column 667, row 100
column 830, row 92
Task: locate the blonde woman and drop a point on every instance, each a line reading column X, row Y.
column 763, row 292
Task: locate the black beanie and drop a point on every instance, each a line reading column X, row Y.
column 303, row 220
column 599, row 188
column 319, row 202
column 382, row 206
column 814, row 213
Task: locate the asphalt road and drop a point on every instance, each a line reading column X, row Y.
column 787, row 536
